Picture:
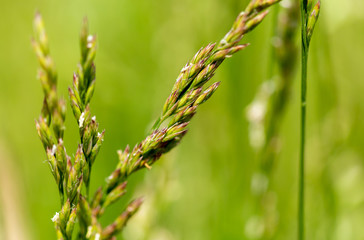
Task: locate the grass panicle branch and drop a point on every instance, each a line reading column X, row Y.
column 309, row 17
column 80, row 96
column 188, row 93
column 68, row 175
column 53, row 112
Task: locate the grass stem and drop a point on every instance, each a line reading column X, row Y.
column 301, row 188
column 309, row 17
column 301, row 197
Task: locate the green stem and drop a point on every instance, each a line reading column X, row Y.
column 61, row 191
column 302, row 149
column 87, row 191
column 304, row 57
column 87, row 183
column 61, row 195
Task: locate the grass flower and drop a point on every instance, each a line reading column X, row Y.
column 188, row 93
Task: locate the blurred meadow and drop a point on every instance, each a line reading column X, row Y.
column 203, row 188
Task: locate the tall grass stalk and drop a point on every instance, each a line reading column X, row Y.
column 309, row 17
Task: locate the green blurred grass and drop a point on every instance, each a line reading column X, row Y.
column 202, row 189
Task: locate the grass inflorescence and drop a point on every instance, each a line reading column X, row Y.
column 188, row 93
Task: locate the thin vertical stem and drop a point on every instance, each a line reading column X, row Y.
column 301, row 199
column 61, row 190
column 301, row 188
column 87, row 184
column 61, row 196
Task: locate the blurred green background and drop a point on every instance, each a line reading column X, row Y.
column 200, row 190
